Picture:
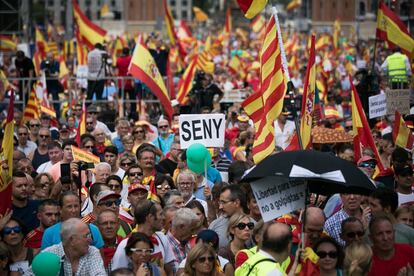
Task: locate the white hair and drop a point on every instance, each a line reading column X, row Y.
column 183, row 216
column 102, row 165
column 69, row 228
column 186, row 173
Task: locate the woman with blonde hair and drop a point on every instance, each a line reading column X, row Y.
column 43, row 184
column 240, row 231
column 244, row 139
column 202, row 261
column 358, row 258
column 405, row 215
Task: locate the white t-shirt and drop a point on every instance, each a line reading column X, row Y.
column 282, row 138
column 44, row 167
column 163, row 248
column 404, row 199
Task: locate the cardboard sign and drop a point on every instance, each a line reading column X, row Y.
column 377, row 106
column 205, row 129
column 277, row 196
column 398, row 99
column 83, row 155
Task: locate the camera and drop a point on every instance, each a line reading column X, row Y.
column 83, row 166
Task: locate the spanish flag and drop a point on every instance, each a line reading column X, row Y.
column 41, row 43
column 7, row 44
column 90, row 32
column 401, row 134
column 251, row 8
column 390, row 28
column 143, row 67
column 361, row 130
column 6, row 159
column 308, row 98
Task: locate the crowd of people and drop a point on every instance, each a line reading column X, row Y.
column 105, row 220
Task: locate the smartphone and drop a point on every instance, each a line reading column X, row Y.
column 65, row 174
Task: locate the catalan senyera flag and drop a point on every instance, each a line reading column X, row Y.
column 251, row 8
column 273, row 90
column 258, row 23
column 32, row 109
column 143, row 67
column 199, row 14
column 53, row 47
column 253, row 106
column 401, row 134
column 186, row 82
column 152, row 193
column 390, row 28
column 6, row 159
column 90, row 32
column 361, row 130
column 293, row 4
column 41, row 43
column 82, row 124
column 336, row 33
column 81, row 51
column 169, row 22
column 7, row 44
column 308, row 99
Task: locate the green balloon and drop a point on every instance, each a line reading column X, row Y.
column 46, row 264
column 197, row 158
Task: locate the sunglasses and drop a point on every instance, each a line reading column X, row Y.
column 9, row 230
column 243, row 226
column 110, row 203
column 136, row 174
column 352, row 235
column 126, row 164
column 35, row 125
column 210, row 259
column 23, row 134
column 331, row 254
column 367, row 165
column 142, row 251
column 89, row 147
column 44, row 136
column 163, row 126
column 138, row 131
column 89, row 123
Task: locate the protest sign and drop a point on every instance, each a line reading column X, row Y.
column 277, row 196
column 377, row 106
column 205, row 129
column 83, row 155
column 398, row 100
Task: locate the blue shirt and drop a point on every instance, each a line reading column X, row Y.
column 118, row 144
column 213, row 175
column 164, row 144
column 199, row 193
column 52, row 236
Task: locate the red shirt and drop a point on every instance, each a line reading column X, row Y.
column 122, row 64
column 404, row 255
column 34, row 239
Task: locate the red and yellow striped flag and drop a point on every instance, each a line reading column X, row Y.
column 82, row 124
column 7, row 44
column 143, row 67
column 253, row 106
column 390, row 28
column 258, row 24
column 402, row 135
column 273, row 90
column 81, row 51
column 152, row 193
column 336, row 33
column 6, row 159
column 361, row 130
column 186, row 82
column 89, row 32
column 251, row 8
column 169, row 22
column 308, row 98
column 63, row 72
column 37, row 60
column 53, row 47
column 32, row 109
column 41, row 43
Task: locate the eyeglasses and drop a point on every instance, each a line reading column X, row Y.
column 110, row 203
column 135, row 174
column 243, row 225
column 23, row 134
column 87, row 236
column 163, row 126
column 331, row 254
column 352, row 235
column 142, row 251
column 35, row 125
column 210, row 259
column 44, row 136
column 222, row 202
column 9, row 230
column 89, row 147
column 126, row 164
column 138, row 131
column 161, row 187
column 367, row 165
column 186, row 183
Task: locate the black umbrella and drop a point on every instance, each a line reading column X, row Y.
column 325, row 173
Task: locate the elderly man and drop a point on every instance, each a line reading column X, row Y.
column 75, row 250
column 186, row 182
column 122, row 128
column 165, row 138
column 102, row 172
column 315, row 221
column 24, row 144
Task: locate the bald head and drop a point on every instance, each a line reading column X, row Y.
column 277, row 238
column 314, row 223
column 315, row 214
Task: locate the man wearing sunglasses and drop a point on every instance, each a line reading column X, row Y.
column 352, row 230
column 40, row 154
column 24, row 144
column 404, row 181
column 367, row 164
column 165, row 138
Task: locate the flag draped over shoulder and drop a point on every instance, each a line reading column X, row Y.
column 89, row 31
column 308, row 98
column 391, row 29
column 251, row 8
column 361, row 130
column 273, row 90
column 143, row 67
column 6, row 159
column 401, row 134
